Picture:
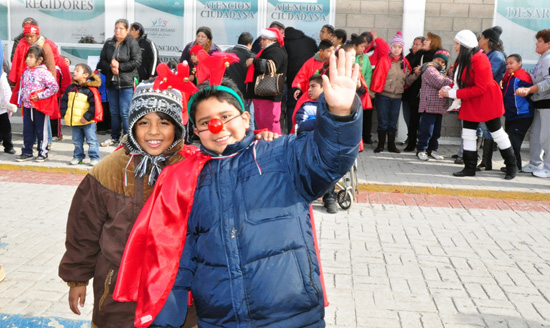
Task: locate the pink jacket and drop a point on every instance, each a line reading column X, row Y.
column 36, row 79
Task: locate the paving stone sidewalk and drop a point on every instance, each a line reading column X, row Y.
column 385, row 265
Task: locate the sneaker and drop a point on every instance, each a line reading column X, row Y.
column 56, row 139
column 93, row 162
column 23, row 158
column 49, row 146
column 10, row 151
column 543, row 173
column 459, row 160
column 422, row 155
column 455, row 156
column 530, row 168
column 109, row 143
column 40, row 159
column 433, row 154
column 75, row 161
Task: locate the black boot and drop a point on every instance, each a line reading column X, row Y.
column 487, row 157
column 510, row 161
column 470, row 160
column 391, row 143
column 381, row 141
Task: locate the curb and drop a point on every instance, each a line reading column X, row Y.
column 39, row 168
column 520, row 195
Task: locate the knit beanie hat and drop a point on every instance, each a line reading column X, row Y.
column 466, row 38
column 443, row 54
column 147, row 100
column 493, row 33
column 398, row 39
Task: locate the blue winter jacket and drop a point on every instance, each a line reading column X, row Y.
column 516, row 106
column 498, row 64
column 249, row 257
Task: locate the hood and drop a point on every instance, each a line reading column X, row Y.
column 93, row 81
column 293, row 34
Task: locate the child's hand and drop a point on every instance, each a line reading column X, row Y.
column 340, row 86
column 77, row 294
column 34, row 97
column 83, row 120
column 523, row 92
column 267, row 136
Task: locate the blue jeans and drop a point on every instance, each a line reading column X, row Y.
column 79, row 133
column 119, row 105
column 35, row 127
column 388, row 113
column 429, row 131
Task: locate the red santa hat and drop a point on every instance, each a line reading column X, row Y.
column 272, row 33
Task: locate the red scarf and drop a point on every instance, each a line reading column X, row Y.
column 149, row 264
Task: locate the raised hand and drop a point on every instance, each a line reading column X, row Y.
column 340, row 86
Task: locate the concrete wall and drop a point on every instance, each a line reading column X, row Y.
column 442, row 17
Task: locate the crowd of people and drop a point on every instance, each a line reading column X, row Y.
column 237, row 209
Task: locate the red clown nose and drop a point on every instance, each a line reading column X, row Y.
column 215, row 125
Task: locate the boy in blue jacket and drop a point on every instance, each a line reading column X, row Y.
column 250, row 256
column 518, row 111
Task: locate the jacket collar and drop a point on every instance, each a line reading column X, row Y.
column 234, row 148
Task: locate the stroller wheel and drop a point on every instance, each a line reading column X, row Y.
column 344, row 199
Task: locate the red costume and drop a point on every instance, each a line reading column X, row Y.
column 482, row 97
column 381, row 49
column 310, row 67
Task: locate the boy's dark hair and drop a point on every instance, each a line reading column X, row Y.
column 357, row 39
column 36, row 51
column 245, row 39
column 544, row 35
column 85, row 68
column 325, row 44
column 172, row 64
column 341, row 34
column 316, row 78
column 368, row 36
column 138, row 27
column 205, row 93
column 329, row 28
column 346, row 47
column 516, row 57
column 123, row 21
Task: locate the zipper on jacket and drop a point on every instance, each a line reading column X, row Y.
column 107, row 286
column 311, row 273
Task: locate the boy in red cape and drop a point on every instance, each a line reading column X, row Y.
column 249, row 256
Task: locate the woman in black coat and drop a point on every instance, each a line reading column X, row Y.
column 267, row 110
column 119, row 62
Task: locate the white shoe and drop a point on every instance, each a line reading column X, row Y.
column 109, row 142
column 543, row 173
column 530, row 168
column 422, row 156
column 433, row 154
column 75, row 161
column 93, row 162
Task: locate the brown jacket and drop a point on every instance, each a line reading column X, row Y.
column 396, row 80
column 102, row 214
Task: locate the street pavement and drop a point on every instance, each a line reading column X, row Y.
column 419, row 248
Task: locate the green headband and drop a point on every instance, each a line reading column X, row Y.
column 218, row 87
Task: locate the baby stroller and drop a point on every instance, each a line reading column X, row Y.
column 349, row 187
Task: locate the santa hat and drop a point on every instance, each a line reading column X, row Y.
column 272, row 33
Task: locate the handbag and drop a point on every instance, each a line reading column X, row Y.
column 270, row 84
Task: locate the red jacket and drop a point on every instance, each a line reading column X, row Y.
column 309, row 68
column 381, row 49
column 482, row 97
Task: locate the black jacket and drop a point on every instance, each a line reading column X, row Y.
column 149, row 58
column 299, row 48
column 412, row 93
column 128, row 55
column 278, row 55
column 237, row 71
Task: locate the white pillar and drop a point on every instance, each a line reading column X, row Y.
column 414, row 12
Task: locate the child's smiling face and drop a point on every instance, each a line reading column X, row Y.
column 234, row 128
column 154, row 134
